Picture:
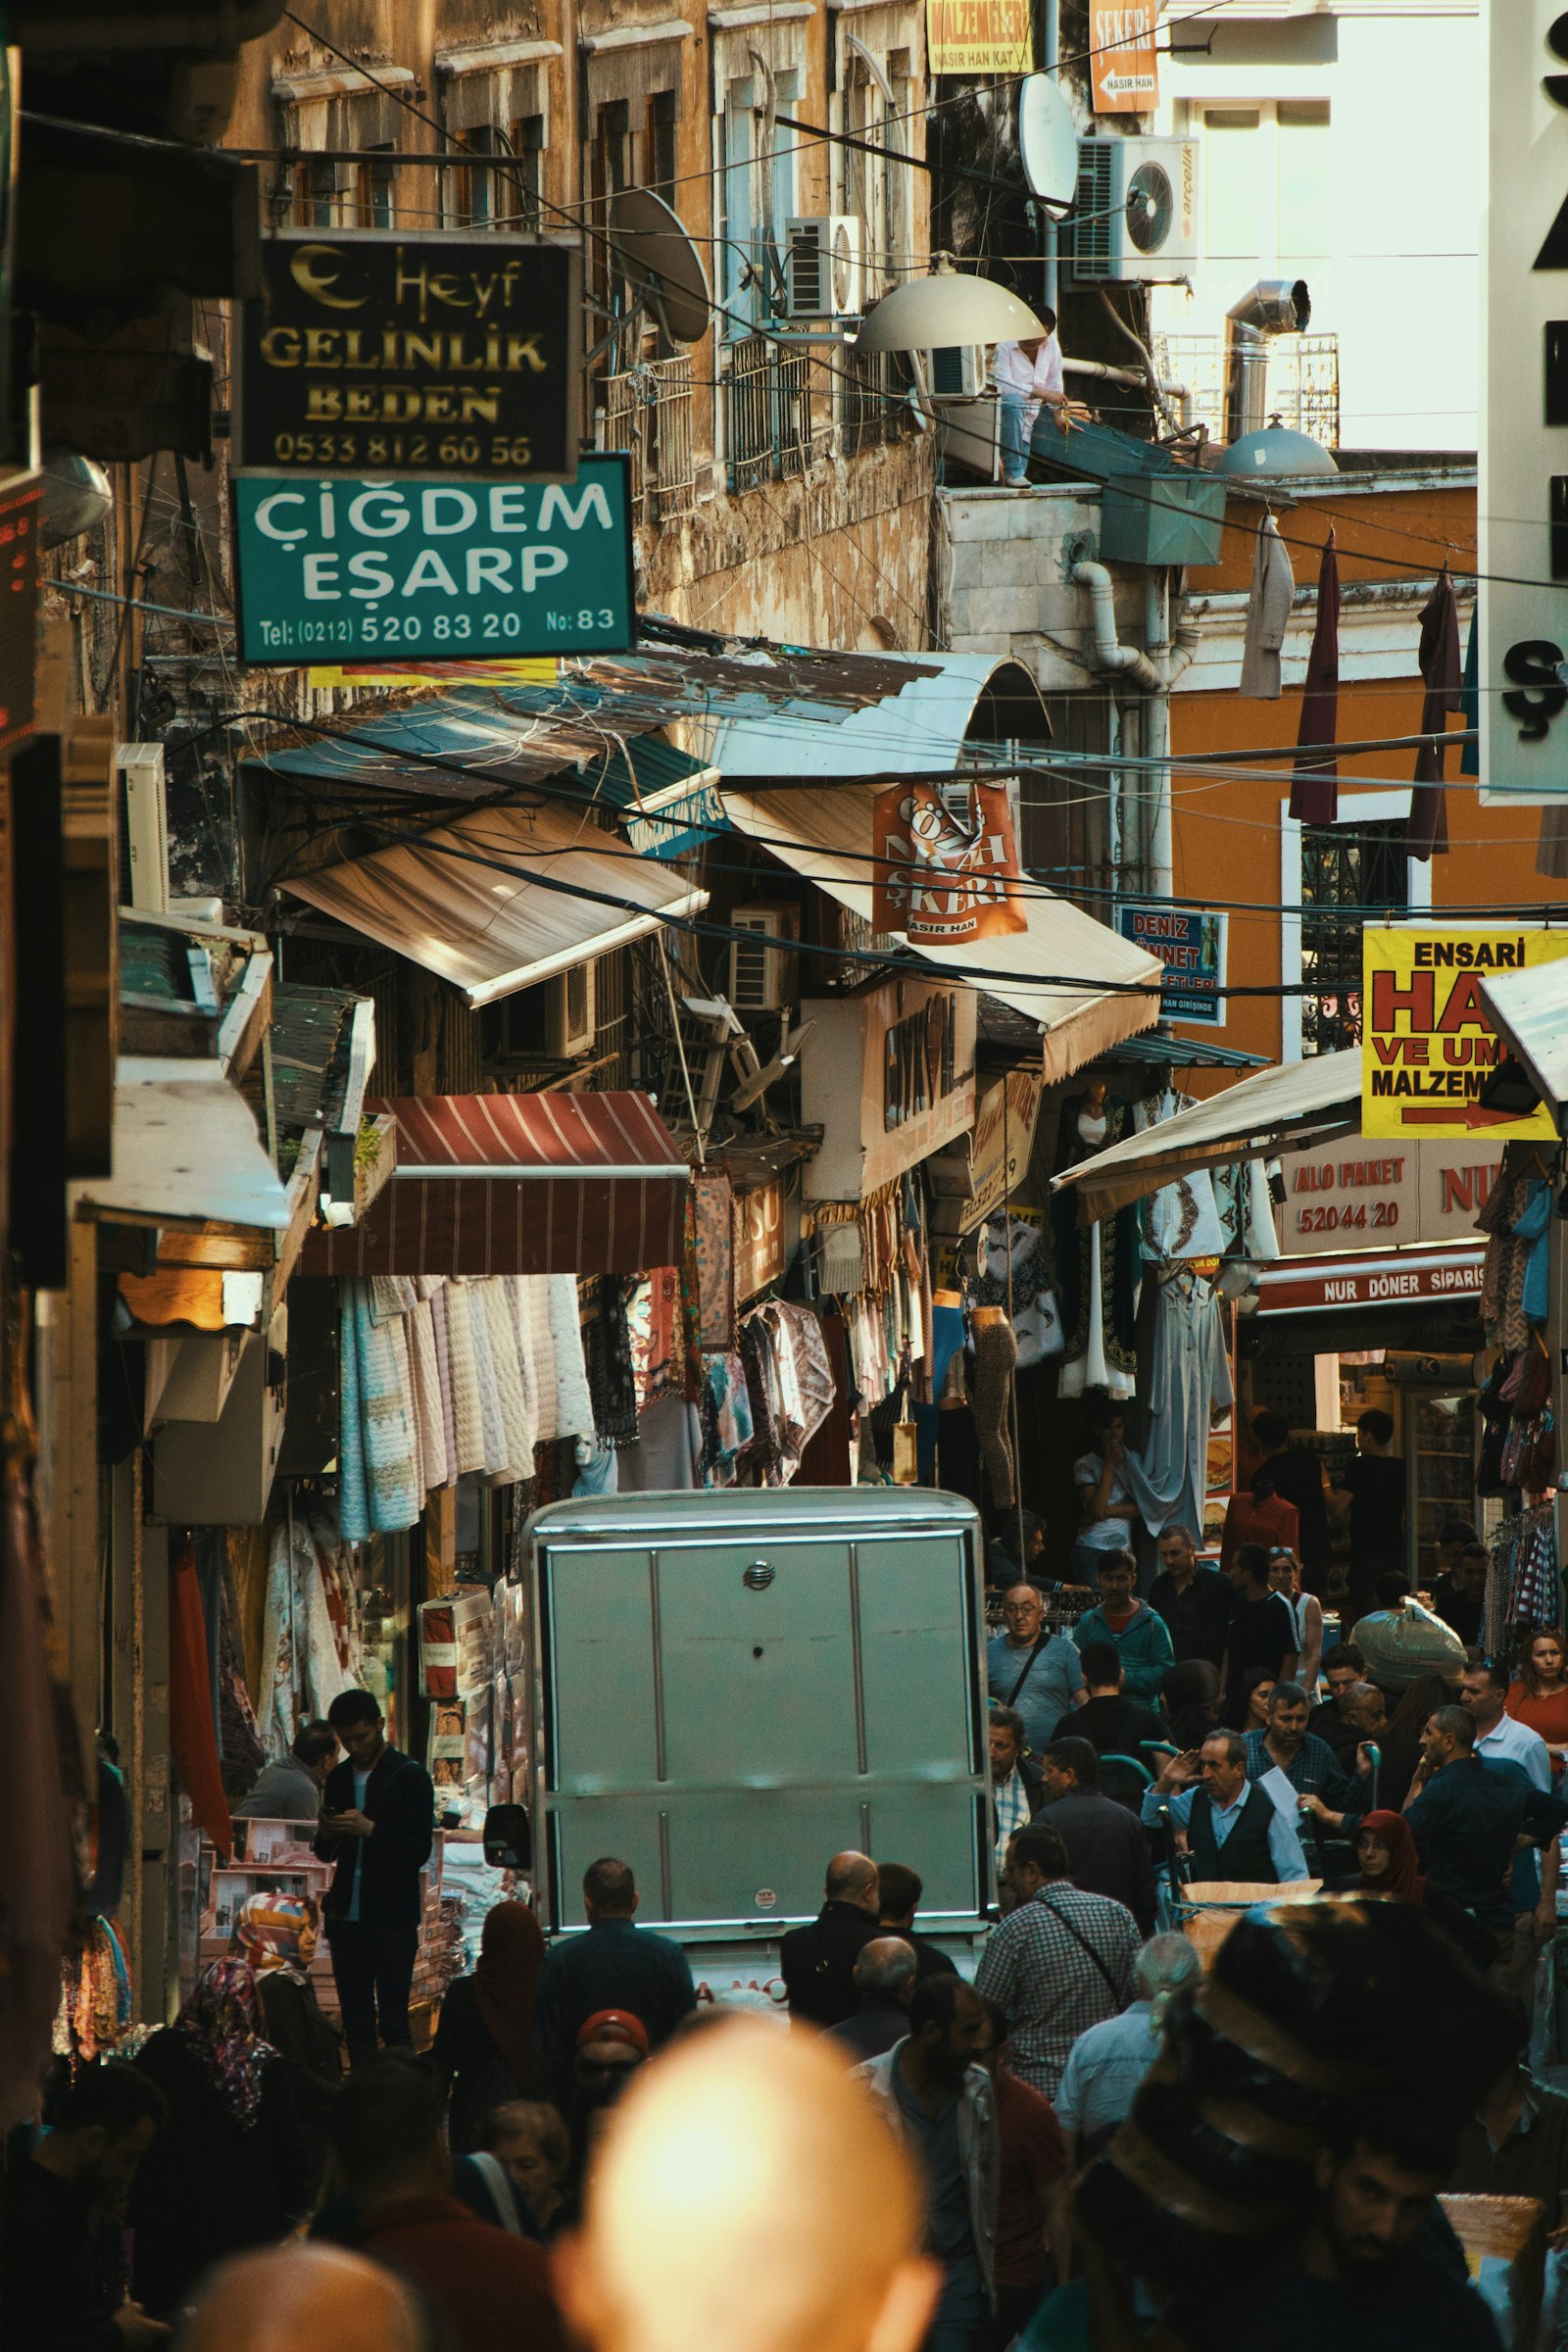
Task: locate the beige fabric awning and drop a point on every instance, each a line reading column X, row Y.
column 1097, row 988
column 186, row 1152
column 502, row 898
column 1283, row 1106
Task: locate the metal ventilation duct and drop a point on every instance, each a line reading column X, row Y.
column 1275, row 306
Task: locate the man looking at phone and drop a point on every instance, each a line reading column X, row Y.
column 377, row 1824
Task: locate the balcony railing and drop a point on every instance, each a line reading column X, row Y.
column 1303, row 381
column 648, row 412
column 775, row 417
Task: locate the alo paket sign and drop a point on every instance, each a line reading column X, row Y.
column 1427, row 1046
column 375, row 352
column 1359, row 1195
column 1123, row 63
column 1190, row 942
column 380, row 570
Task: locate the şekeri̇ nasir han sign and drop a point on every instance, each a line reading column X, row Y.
column 377, row 569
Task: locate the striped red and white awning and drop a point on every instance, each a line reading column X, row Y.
column 518, row 1184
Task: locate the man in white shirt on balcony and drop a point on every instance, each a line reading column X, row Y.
column 1028, row 375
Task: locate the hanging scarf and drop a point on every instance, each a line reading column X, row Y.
column 1402, row 1881
column 1427, row 830
column 269, row 1929
column 220, row 2025
column 511, row 1953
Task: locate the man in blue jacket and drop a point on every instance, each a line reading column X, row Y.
column 377, row 1824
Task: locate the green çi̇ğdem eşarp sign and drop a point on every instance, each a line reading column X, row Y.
column 376, row 569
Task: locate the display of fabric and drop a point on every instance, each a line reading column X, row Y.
column 379, row 1487
column 1189, row 1379
column 1442, row 675
column 574, row 1406
column 1097, row 1266
column 1514, row 1216
column 304, row 1661
column 1315, row 792
column 192, row 1732
column 1268, row 614
column 713, row 1219
column 94, row 2012
column 1011, row 1273
column 724, row 1383
column 996, row 1354
column 1182, row 1219
column 1524, row 1588
column 612, row 1377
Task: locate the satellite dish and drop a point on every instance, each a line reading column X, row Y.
column 658, row 255
column 1047, row 141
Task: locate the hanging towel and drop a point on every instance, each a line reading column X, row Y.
column 491, row 1419
column 1427, row 832
column 468, row 1417
column 574, row 1408
column 516, row 1419
column 522, row 1327
column 1315, row 794
column 427, row 1395
column 541, row 1356
column 388, row 1436
column 443, row 1366
column 354, row 1494
column 1268, row 614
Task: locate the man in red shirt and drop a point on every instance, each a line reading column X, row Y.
column 492, row 2290
column 1034, row 2227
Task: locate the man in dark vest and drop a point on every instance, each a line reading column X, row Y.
column 1234, row 1829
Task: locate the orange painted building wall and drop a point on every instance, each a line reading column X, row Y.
column 1226, row 830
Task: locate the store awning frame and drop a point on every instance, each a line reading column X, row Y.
column 188, row 1160
column 1529, row 1010
column 1113, row 993
column 518, row 1184
column 460, row 902
column 1293, row 1103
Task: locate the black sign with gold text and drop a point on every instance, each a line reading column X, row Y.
column 371, row 352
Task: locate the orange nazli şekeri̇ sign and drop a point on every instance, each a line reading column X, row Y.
column 1427, row 1046
column 1123, row 63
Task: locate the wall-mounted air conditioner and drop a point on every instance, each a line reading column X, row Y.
column 570, row 1014
column 144, row 827
column 955, row 370
column 824, row 266
column 761, row 966
column 1135, row 213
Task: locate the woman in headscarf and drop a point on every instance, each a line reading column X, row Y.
column 484, row 2042
column 277, row 1933
column 1390, row 1873
column 229, row 2169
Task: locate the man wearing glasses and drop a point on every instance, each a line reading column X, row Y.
column 1035, row 1673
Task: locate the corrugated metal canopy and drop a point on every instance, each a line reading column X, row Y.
column 1097, row 987
column 1529, row 1010
column 1285, row 1104
column 462, row 902
column 921, row 727
column 518, row 1184
column 186, row 1153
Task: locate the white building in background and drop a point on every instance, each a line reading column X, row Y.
column 1340, row 144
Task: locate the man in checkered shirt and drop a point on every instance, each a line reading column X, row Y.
column 1059, row 1962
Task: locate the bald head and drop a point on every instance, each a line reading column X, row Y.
column 750, row 2198
column 852, row 1878
column 885, row 1969
column 306, row 2294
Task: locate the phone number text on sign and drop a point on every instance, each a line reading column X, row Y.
column 377, row 567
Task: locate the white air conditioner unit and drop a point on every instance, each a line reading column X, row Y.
column 955, row 372
column 571, row 1020
column 144, row 872
column 1135, row 214
column 824, row 266
column 762, row 968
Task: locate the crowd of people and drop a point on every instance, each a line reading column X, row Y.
column 259, row 2175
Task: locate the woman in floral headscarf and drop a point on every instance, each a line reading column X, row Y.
column 278, row 1934
column 229, row 2170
